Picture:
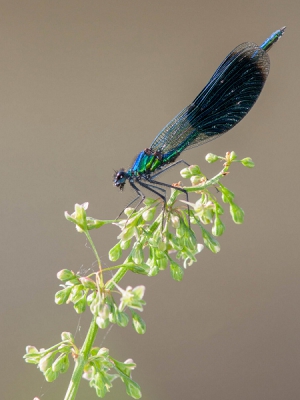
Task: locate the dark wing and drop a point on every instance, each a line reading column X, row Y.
column 226, row 99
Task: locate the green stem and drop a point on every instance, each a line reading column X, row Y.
column 210, row 182
column 81, row 361
column 116, row 278
column 97, row 256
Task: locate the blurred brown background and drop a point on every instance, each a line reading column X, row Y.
column 85, row 86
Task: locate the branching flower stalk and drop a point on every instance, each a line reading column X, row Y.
column 162, row 237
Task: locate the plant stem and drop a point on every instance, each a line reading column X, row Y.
column 97, row 256
column 116, row 278
column 81, row 361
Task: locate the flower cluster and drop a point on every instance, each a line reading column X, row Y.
column 154, row 239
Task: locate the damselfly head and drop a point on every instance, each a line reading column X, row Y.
column 120, row 178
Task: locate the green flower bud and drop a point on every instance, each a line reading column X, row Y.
column 190, row 242
column 218, row 228
column 176, row 271
column 153, row 270
column 127, row 233
column 148, row 202
column 102, row 322
column 197, row 180
column 77, row 293
column 32, row 355
column 175, row 221
column 80, row 305
column 137, row 254
column 61, row 364
column 62, row 296
column 148, row 215
column 90, row 298
column 50, row 375
column 247, row 162
column 115, row 253
column 175, row 243
column 181, row 231
column 93, row 223
column 65, row 275
column 129, row 211
column 232, row 156
column 132, row 388
column 160, row 244
column 162, row 263
column 207, row 215
column 125, row 244
column 32, row 350
column 46, row 362
column 67, row 336
column 102, row 319
column 122, row 318
column 88, row 283
column 219, row 209
column 80, row 215
column 185, row 173
column 194, row 170
column 95, row 305
column 103, row 352
column 138, row 323
column 211, row 158
column 227, row 195
column 237, row 213
column 209, row 241
column 113, row 314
